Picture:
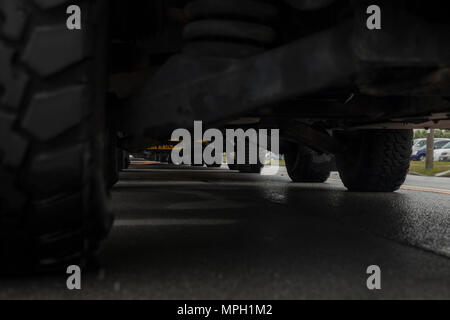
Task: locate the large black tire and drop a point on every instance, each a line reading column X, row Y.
column 127, row 161
column 52, row 186
column 306, row 165
column 374, row 160
column 250, row 168
column 113, row 159
column 124, row 160
column 117, row 161
column 247, row 167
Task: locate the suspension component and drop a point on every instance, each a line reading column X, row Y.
column 309, row 4
column 231, row 29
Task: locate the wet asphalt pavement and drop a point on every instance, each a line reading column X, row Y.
column 198, row 233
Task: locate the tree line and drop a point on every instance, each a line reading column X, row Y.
column 438, row 133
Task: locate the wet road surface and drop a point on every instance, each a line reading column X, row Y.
column 198, row 233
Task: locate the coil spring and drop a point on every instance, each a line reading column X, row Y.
column 229, row 28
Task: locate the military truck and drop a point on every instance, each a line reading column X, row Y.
column 339, row 78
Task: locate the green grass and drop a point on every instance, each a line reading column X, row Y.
column 280, row 163
column 419, row 167
column 416, row 167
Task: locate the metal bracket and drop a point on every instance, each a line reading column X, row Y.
column 304, row 134
column 233, row 88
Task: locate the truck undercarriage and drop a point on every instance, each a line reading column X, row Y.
column 334, row 76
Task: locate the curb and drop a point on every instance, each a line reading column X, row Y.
column 442, row 174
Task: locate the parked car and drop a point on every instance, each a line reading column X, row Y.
column 418, row 145
column 438, row 145
column 421, row 155
column 443, row 154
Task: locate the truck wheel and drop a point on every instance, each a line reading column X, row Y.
column 112, row 164
column 374, row 160
column 250, row 168
column 306, row 165
column 247, row 167
column 52, row 188
column 126, row 160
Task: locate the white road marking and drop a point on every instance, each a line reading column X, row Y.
column 422, row 189
column 412, row 188
column 265, row 184
column 201, row 170
column 171, row 222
